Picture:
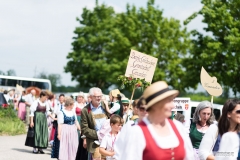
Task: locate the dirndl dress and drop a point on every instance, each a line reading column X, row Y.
column 40, row 138
column 69, row 139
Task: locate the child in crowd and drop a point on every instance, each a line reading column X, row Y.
column 106, row 147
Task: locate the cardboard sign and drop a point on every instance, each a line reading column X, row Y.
column 141, row 66
column 181, row 104
column 210, row 84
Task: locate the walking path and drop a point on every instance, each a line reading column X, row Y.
column 13, row 148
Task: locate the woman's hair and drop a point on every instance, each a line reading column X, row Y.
column 224, row 123
column 202, row 105
column 43, row 93
column 68, row 101
column 121, row 105
column 116, row 119
column 134, row 104
column 50, row 97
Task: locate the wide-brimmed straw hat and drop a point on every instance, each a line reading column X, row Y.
column 115, row 92
column 157, row 92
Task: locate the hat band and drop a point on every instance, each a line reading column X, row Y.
column 156, row 94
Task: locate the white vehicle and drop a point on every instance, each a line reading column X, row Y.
column 10, row 82
column 217, row 109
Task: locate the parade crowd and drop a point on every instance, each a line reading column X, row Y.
column 92, row 128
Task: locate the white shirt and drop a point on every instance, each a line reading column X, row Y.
column 51, row 104
column 107, row 143
column 229, row 146
column 58, row 107
column 127, row 116
column 67, row 113
column 208, row 141
column 116, row 107
column 76, row 104
column 134, row 144
column 30, row 98
column 34, row 105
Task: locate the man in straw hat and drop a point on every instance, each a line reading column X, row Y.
column 156, row 136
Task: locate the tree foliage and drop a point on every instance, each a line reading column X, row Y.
column 104, row 39
column 9, row 72
column 220, row 52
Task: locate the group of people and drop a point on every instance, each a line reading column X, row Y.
column 147, row 128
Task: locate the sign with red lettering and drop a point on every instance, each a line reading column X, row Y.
column 181, row 104
column 141, row 66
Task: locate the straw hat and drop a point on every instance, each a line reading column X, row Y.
column 125, row 100
column 115, row 92
column 157, row 92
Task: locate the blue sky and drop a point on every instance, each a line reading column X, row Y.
column 36, row 36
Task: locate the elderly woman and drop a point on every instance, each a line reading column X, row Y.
column 67, row 131
column 38, row 122
column 228, row 122
column 202, row 119
column 156, row 136
column 78, row 105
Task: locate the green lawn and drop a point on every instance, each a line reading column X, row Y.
column 10, row 124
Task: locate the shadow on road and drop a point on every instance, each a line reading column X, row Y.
column 22, row 150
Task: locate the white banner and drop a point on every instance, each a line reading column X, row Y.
column 181, row 104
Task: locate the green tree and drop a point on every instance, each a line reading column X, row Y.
column 104, row 39
column 9, row 72
column 55, row 79
column 218, row 51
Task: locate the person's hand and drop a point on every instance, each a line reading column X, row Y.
column 112, row 153
column 59, row 137
column 31, row 124
column 84, row 143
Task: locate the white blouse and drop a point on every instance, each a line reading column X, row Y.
column 34, row 105
column 67, row 113
column 208, row 141
column 134, row 150
column 76, row 104
column 116, row 107
column 229, row 146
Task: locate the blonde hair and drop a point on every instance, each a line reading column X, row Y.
column 68, row 101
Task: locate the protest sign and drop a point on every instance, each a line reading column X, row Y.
column 181, row 104
column 141, row 66
column 210, row 84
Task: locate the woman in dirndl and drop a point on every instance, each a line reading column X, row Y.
column 67, row 131
column 156, row 137
column 22, row 106
column 39, row 109
column 202, row 119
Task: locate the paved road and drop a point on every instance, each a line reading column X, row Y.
column 13, row 148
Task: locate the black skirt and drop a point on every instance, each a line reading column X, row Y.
column 82, row 153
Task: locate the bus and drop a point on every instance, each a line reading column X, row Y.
column 10, row 82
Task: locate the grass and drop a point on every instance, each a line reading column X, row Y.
column 10, row 124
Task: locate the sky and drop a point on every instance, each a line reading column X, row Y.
column 36, row 36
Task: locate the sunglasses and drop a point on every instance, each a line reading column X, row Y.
column 141, row 109
column 238, row 111
column 125, row 104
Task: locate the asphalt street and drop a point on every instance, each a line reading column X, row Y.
column 13, row 148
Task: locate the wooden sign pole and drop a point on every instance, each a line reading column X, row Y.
column 212, row 99
column 134, row 88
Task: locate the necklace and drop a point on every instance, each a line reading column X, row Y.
column 202, row 125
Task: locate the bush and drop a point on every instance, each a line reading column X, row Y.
column 10, row 124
